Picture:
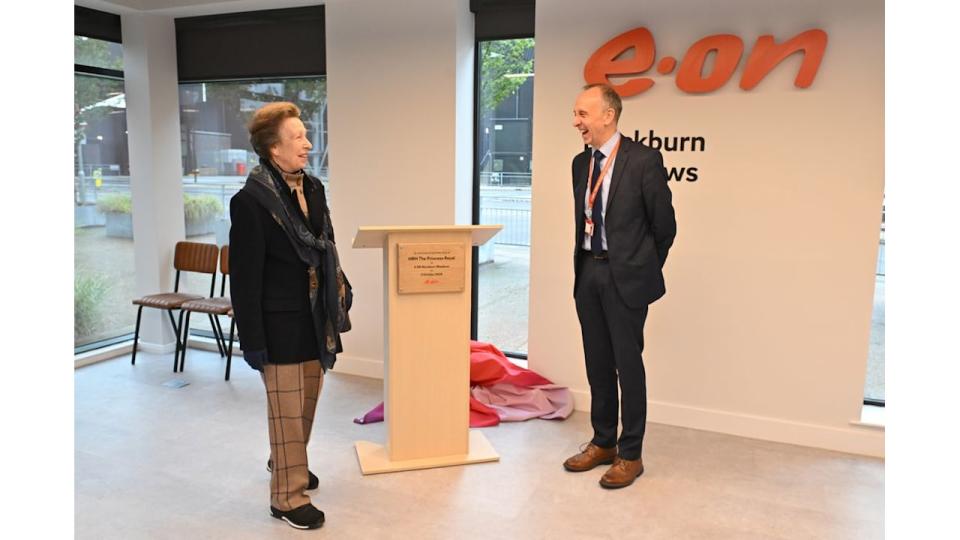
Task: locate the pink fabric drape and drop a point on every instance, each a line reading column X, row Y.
column 501, row 391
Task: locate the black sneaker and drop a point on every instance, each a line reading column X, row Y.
column 307, row 516
column 313, row 483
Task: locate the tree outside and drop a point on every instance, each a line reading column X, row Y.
column 499, row 60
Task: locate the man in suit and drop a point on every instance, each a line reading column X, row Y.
column 274, row 219
column 625, row 226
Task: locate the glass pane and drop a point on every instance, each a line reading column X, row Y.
column 217, row 154
column 504, row 144
column 97, row 53
column 874, row 388
column 103, row 256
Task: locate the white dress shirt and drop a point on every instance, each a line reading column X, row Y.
column 606, row 148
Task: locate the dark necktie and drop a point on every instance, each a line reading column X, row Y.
column 596, row 241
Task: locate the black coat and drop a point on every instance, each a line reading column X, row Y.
column 269, row 283
column 639, row 221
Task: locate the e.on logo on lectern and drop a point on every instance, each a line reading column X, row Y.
column 764, row 57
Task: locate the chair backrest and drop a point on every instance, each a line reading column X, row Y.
column 224, row 268
column 195, row 257
column 225, row 260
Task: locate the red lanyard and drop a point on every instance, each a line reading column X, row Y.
column 603, row 174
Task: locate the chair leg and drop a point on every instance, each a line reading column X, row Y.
column 217, row 336
column 176, row 327
column 136, row 337
column 183, row 350
column 233, row 323
column 219, row 332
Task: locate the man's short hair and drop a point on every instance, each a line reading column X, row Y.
column 610, row 97
column 264, row 126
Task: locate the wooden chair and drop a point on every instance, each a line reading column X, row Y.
column 188, row 257
column 213, row 307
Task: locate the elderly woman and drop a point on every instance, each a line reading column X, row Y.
column 290, row 298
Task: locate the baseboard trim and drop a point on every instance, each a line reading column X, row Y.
column 209, row 344
column 156, row 348
column 126, row 347
column 102, row 354
column 356, row 365
column 854, row 439
column 857, row 439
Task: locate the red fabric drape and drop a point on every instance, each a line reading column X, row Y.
column 488, row 366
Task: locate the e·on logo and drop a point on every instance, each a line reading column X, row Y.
column 764, row 57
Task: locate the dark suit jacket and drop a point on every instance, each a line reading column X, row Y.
column 269, row 284
column 639, row 221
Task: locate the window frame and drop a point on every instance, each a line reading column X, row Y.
column 103, row 26
column 494, row 20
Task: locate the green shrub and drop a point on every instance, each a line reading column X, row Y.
column 196, row 208
column 200, row 208
column 116, row 203
column 88, row 292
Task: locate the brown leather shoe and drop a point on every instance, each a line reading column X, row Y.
column 622, row 473
column 590, row 457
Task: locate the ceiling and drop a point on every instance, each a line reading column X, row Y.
column 191, row 8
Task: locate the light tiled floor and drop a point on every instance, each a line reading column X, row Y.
column 158, row 462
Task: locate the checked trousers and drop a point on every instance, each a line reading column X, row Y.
column 292, row 392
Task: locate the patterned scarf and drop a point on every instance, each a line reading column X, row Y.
column 318, row 252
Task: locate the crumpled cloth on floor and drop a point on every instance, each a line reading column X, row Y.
column 501, row 391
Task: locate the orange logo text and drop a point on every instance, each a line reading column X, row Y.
column 727, row 48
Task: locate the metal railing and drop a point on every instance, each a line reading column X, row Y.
column 507, row 207
column 882, row 259
column 222, row 187
column 515, row 221
column 505, row 179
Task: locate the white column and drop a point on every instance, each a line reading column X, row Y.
column 153, row 135
column 463, row 107
column 400, row 87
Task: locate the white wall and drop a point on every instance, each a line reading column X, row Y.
column 765, row 327
column 153, row 126
column 401, row 136
column 764, row 330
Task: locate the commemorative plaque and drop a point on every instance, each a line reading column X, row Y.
column 428, row 268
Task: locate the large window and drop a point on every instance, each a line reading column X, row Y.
column 103, row 245
column 217, row 155
column 503, row 163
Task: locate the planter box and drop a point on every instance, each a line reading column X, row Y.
column 87, row 216
column 223, row 231
column 121, row 226
column 200, row 228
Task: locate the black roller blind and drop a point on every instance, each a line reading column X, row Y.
column 96, row 24
column 503, row 19
column 252, row 45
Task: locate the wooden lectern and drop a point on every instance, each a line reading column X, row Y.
column 426, row 299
